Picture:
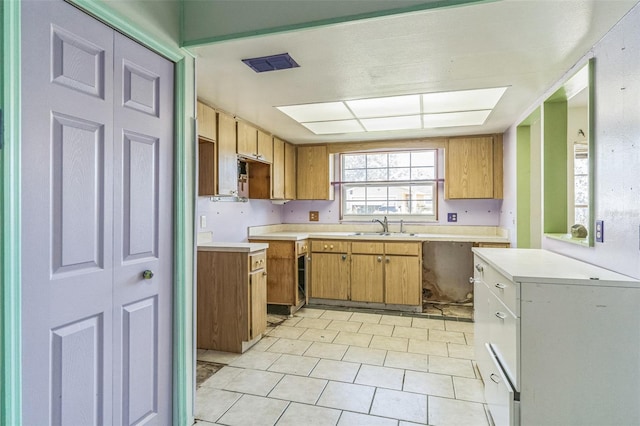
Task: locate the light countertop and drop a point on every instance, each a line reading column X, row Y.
column 394, row 236
column 232, row 247
column 542, row 266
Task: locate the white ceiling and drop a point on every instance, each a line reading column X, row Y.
column 526, row 45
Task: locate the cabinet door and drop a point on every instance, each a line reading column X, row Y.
column 257, row 303
column 206, row 122
column 330, row 276
column 206, row 167
column 367, row 278
column 265, row 147
column 314, row 173
column 469, row 168
column 227, row 158
column 289, row 171
column 247, row 140
column 278, row 169
column 403, row 284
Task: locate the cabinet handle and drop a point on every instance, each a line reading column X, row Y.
column 501, row 286
column 479, row 267
column 379, row 258
column 501, row 315
column 472, row 280
column 331, row 246
column 388, row 260
column 344, row 257
column 326, row 246
column 264, row 273
column 494, row 378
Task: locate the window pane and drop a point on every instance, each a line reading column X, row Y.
column 399, row 174
column 357, row 207
column 582, row 190
column 376, row 174
column 581, row 166
column 400, row 159
column 376, row 193
column 423, row 173
column 423, row 158
column 419, row 193
column 582, row 215
column 356, row 175
column 376, row 160
column 355, row 161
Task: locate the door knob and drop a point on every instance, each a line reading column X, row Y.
column 147, row 275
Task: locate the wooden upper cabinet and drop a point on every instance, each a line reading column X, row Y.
column 473, row 167
column 247, row 139
column 265, row 147
column 207, row 123
column 227, row 158
column 278, row 169
column 254, row 143
column 289, row 171
column 314, row 173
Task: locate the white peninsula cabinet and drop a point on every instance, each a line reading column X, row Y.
column 557, row 340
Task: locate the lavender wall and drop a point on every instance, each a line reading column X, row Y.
column 229, row 221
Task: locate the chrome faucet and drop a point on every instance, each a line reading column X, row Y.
column 384, row 223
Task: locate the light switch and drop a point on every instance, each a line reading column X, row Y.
column 203, row 221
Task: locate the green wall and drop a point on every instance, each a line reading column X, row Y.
column 523, row 182
column 555, row 167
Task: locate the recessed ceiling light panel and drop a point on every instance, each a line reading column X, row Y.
column 325, row 111
column 333, row 127
column 392, row 123
column 456, row 119
column 462, row 100
column 385, row 107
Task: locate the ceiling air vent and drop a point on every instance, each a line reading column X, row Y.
column 281, row 61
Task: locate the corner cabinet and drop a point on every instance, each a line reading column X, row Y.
column 556, row 339
column 473, row 167
column 232, row 298
column 207, row 135
column 314, row 171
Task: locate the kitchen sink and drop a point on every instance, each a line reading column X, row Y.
column 382, row 234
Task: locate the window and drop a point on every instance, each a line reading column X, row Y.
column 581, row 183
column 401, row 184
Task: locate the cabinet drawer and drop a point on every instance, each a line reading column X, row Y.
column 367, row 248
column 332, row 246
column 302, row 247
column 411, row 249
column 499, row 394
column 504, row 289
column 258, row 260
column 504, row 336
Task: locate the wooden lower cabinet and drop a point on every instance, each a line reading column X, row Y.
column 403, row 280
column 367, row 271
column 330, row 276
column 367, row 278
column 285, row 275
column 231, row 299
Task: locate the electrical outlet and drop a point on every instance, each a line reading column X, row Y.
column 314, row 216
column 452, row 217
column 600, row 231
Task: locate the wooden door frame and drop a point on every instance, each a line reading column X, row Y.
column 10, row 213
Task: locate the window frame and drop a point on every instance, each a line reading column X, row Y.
column 409, row 218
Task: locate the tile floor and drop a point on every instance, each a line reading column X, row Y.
column 325, row 367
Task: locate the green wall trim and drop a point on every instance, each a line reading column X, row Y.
column 101, row 11
column 10, row 297
column 592, row 152
column 337, row 20
column 555, row 167
column 523, row 185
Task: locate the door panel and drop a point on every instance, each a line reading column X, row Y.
column 76, row 382
column 142, row 168
column 140, row 363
